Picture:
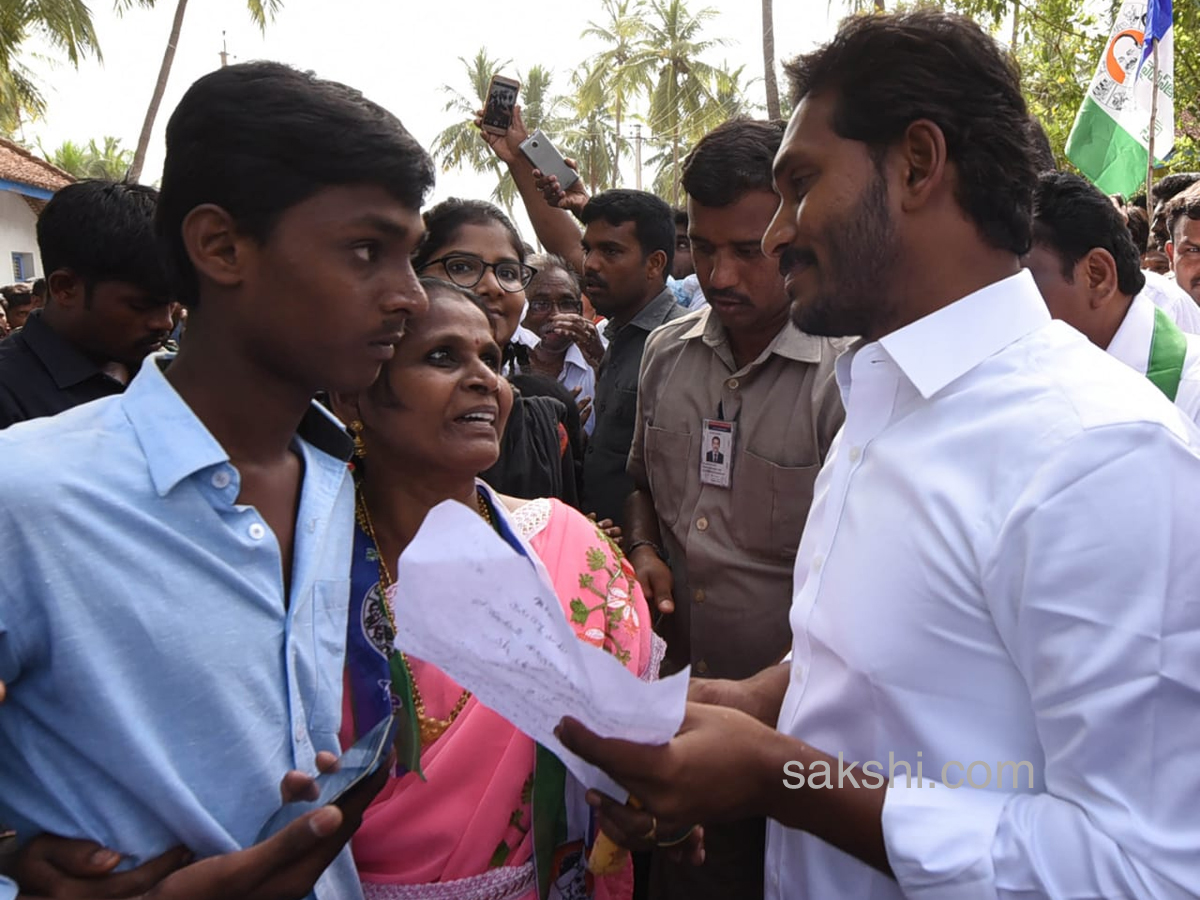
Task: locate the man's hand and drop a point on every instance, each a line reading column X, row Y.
column 582, row 333
column 505, row 146
column 655, row 577
column 51, row 866
column 573, row 199
column 55, row 867
column 716, row 769
column 760, row 696
column 584, row 404
column 609, row 527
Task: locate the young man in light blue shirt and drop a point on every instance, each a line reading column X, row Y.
column 173, row 632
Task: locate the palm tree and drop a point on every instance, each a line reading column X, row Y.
column 459, row 145
column 108, row 161
column 65, row 24
column 620, row 72
column 261, row 11
column 770, row 79
column 584, row 136
column 683, row 83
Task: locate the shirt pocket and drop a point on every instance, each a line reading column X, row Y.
column 331, row 602
column 770, row 505
column 668, row 456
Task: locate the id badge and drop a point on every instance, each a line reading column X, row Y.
column 716, row 452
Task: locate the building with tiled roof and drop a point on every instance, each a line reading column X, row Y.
column 26, row 183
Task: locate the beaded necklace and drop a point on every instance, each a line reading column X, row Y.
column 431, row 728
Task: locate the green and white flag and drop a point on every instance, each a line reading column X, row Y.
column 1111, row 137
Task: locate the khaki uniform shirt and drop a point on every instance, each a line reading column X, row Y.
column 732, row 549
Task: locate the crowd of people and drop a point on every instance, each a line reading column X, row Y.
column 889, row 438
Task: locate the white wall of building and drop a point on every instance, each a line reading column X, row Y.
column 17, row 234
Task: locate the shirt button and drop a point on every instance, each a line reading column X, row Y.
column 221, row 479
column 257, row 532
column 855, row 454
column 702, row 667
column 700, row 595
column 702, row 524
column 301, row 734
column 732, row 384
column 817, row 562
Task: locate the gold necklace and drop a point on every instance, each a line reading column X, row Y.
column 430, row 727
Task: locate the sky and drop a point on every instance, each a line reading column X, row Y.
column 398, row 53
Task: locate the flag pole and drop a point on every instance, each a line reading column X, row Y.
column 1150, row 149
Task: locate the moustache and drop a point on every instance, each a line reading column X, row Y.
column 791, row 258
column 728, row 296
column 595, row 281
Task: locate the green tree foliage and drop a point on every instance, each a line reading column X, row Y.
column 106, row 160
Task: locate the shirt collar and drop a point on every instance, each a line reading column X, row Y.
column 651, row 316
column 943, row 346
column 1131, row 343
column 66, row 365
column 790, row 342
column 177, row 444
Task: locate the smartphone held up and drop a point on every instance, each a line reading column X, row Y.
column 543, row 155
column 501, row 98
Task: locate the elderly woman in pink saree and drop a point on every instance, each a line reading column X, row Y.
column 496, row 816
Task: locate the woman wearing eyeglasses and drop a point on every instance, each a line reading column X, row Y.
column 474, row 245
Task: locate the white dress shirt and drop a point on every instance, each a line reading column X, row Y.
column 1131, row 345
column 1000, row 565
column 575, row 373
column 1177, row 303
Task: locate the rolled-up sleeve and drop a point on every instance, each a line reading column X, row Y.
column 1094, row 587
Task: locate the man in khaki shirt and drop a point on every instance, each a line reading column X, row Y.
column 738, row 372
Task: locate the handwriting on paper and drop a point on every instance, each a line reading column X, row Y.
column 489, row 618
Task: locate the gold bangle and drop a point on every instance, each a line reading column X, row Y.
column 678, row 838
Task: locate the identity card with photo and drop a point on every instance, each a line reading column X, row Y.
column 716, row 452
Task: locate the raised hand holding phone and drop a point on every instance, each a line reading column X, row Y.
column 501, row 100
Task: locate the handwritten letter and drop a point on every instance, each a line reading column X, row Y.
column 489, row 618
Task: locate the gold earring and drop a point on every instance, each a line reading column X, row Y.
column 356, row 428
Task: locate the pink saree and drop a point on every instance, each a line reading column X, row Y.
column 466, row 831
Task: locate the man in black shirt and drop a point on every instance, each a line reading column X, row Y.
column 107, row 303
column 628, row 246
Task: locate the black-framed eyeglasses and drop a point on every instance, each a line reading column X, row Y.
column 467, row 271
column 541, row 307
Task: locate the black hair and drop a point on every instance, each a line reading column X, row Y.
column 39, row 288
column 1071, row 217
column 103, row 231
column 443, row 221
column 1183, row 206
column 681, row 216
column 258, row 138
column 1138, row 224
column 15, row 299
column 653, row 221
column 548, row 262
column 1172, row 185
column 887, row 71
column 732, row 160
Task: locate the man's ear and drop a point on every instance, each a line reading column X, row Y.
column 65, row 289
column 921, row 155
column 656, row 266
column 1170, row 251
column 214, row 245
column 1098, row 269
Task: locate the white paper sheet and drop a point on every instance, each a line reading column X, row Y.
column 489, row 618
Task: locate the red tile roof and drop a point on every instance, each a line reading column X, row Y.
column 18, row 164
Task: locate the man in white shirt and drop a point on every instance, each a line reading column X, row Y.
column 1088, row 270
column 996, row 591
column 553, row 315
